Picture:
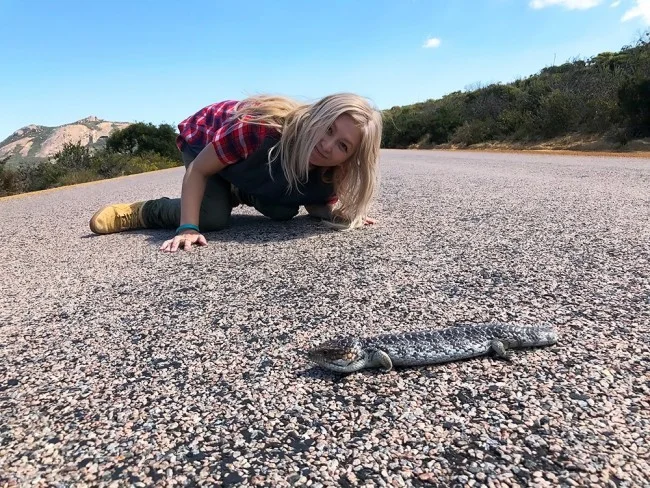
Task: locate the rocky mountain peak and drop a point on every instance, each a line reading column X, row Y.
column 27, row 129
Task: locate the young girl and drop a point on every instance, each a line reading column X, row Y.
column 268, row 152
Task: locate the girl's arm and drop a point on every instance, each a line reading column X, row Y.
column 196, row 176
column 204, row 165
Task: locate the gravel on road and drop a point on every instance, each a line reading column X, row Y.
column 124, row 366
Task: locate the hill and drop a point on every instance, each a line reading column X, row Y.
column 35, row 143
column 598, row 103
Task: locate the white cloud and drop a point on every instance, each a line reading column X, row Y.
column 615, row 4
column 432, row 42
column 568, row 4
column 641, row 9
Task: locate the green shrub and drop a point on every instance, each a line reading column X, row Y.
column 79, row 176
column 557, row 114
column 474, row 132
column 510, row 121
column 108, row 164
column 600, row 115
column 141, row 138
column 42, row 176
column 634, row 102
column 73, row 157
column 10, row 182
column 148, row 162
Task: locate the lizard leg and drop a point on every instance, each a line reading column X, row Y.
column 500, row 350
column 380, row 358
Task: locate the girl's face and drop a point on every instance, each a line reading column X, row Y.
column 337, row 145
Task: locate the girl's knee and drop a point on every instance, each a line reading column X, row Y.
column 215, row 221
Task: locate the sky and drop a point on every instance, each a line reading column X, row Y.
column 159, row 61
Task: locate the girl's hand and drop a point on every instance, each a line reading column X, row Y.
column 369, row 221
column 185, row 240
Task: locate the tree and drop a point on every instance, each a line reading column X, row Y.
column 141, row 138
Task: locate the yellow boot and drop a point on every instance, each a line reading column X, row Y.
column 118, row 218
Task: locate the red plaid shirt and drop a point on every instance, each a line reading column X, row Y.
column 232, row 140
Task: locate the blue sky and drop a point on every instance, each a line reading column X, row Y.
column 160, row 61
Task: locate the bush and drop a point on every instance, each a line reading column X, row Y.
column 73, row 157
column 141, row 138
column 148, row 162
column 599, row 115
column 10, row 182
column 557, row 114
column 473, row 132
column 511, row 121
column 109, row 165
column 634, row 102
column 73, row 165
column 42, row 176
column 79, row 176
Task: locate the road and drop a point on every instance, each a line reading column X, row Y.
column 124, row 366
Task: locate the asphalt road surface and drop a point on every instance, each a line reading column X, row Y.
column 124, row 366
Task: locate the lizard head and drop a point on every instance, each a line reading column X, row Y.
column 541, row 335
column 344, row 355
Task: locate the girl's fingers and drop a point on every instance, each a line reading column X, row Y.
column 187, row 244
column 178, row 244
column 184, row 242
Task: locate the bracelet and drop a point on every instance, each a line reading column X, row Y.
column 187, row 226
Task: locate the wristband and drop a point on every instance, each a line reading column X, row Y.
column 187, row 226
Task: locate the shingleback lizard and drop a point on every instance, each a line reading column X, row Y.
column 350, row 354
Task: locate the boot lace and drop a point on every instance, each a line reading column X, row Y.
column 128, row 220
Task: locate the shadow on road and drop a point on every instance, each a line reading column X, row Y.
column 250, row 229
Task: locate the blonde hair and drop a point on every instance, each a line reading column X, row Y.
column 303, row 125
